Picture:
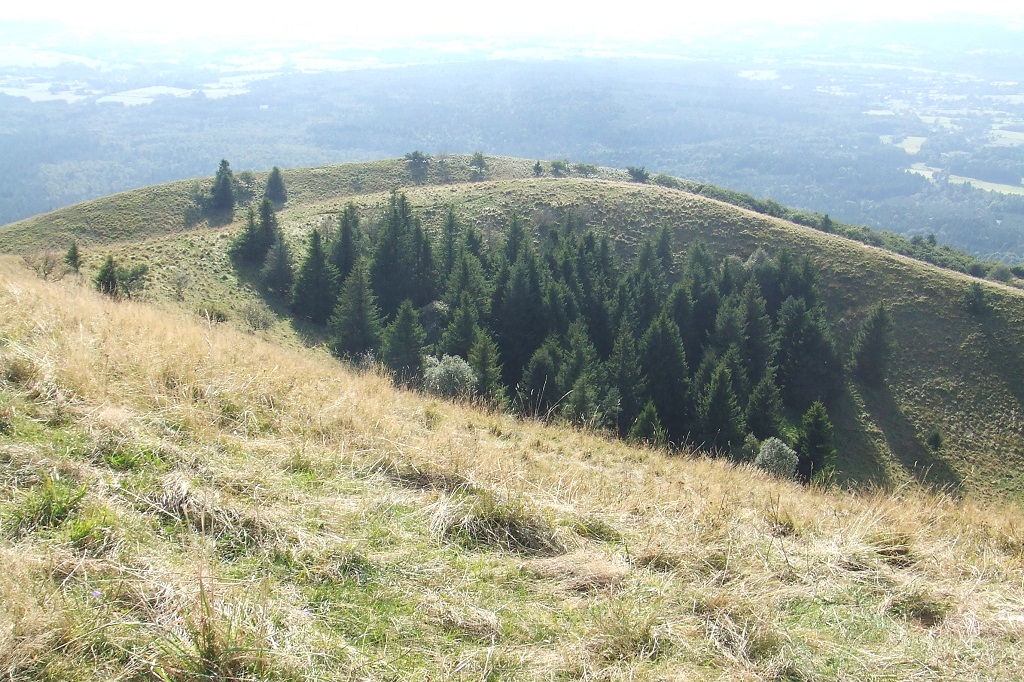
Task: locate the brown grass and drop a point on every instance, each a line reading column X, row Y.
column 282, row 527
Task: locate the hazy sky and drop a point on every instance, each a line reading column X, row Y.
column 325, row 20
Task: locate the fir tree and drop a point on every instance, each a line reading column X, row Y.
column 627, row 378
column 758, row 347
column 809, row 367
column 277, row 275
column 268, row 229
column 872, row 347
column 764, row 408
column 106, row 278
column 460, row 334
column 315, row 291
column 538, row 389
column 719, row 412
column 449, row 244
column 815, row 445
column 483, row 358
column 579, row 377
column 73, row 257
column 663, row 361
column 275, row 190
column 222, row 195
column 247, row 247
column 402, row 345
column 647, row 427
column 355, row 325
column 345, row 250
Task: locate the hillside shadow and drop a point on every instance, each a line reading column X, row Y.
column 859, row 460
column 905, row 444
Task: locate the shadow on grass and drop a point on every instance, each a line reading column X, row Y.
column 905, row 444
column 859, row 460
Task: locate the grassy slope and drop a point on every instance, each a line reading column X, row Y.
column 952, row 371
column 256, row 512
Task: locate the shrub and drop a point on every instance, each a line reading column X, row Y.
column 450, row 377
column 638, row 174
column 776, row 458
column 257, row 315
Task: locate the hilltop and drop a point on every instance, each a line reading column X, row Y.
column 185, row 500
column 953, row 371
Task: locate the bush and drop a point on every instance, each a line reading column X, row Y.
column 449, row 377
column 257, row 315
column 776, row 458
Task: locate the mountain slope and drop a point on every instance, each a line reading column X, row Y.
column 180, row 499
column 953, row 371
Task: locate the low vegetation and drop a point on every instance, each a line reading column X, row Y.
column 185, row 500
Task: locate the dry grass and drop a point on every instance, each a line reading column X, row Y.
column 250, row 511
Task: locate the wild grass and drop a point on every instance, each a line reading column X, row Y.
column 238, row 509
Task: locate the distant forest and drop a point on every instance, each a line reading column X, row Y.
column 837, row 138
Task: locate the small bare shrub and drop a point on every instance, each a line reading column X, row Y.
column 257, row 315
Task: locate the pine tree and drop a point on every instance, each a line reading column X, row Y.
column 222, row 195
column 758, row 347
column 764, row 408
column 663, row 361
column 345, row 251
column 267, row 230
column 460, row 334
column 872, row 347
column 538, row 389
column 815, row 445
column 579, row 377
column 809, row 367
column 401, row 348
column 647, row 427
column 275, row 190
column 106, row 278
column 627, row 378
column 483, row 358
column 449, row 244
column 247, row 246
column 355, row 325
column 720, row 417
column 73, row 257
column 277, row 275
column 315, row 291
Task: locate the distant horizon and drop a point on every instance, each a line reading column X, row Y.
column 308, row 24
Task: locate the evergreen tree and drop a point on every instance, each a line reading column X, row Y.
column 268, row 229
column 315, row 291
column 627, row 379
column 424, row 275
column 277, row 275
column 345, row 250
column 449, row 244
column 815, row 445
column 538, row 389
column 663, row 361
column 720, row 417
column 106, row 278
column 758, row 347
column 73, row 257
column 395, row 269
column 355, row 325
column 518, row 316
column 809, row 367
column 222, row 195
column 402, row 345
column 275, row 190
column 483, row 358
column 579, row 378
column 764, row 408
column 247, row 246
column 872, row 347
column 467, row 277
column 647, row 427
column 461, row 333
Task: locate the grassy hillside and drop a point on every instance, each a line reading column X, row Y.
column 172, row 208
column 182, row 500
column 953, row 371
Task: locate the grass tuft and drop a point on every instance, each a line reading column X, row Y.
column 488, row 519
